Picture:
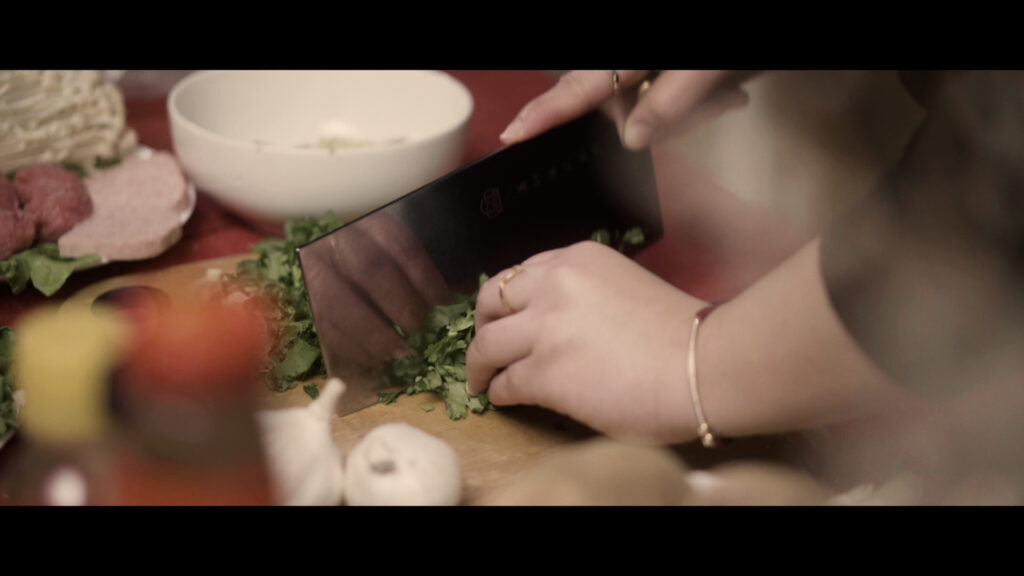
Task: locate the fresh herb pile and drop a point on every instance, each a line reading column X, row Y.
column 439, row 365
column 8, row 416
column 44, row 267
column 275, row 273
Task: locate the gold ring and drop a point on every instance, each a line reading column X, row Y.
column 615, row 81
column 504, row 282
column 646, row 84
column 644, row 87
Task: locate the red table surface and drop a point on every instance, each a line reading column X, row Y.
column 498, row 95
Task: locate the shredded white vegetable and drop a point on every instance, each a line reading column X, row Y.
column 60, row 116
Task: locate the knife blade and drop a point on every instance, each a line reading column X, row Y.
column 379, row 274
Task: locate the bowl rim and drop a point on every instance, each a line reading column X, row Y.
column 176, row 116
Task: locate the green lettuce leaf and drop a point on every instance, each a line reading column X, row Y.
column 43, row 266
column 8, row 416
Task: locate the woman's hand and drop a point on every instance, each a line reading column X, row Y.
column 677, row 100
column 594, row 336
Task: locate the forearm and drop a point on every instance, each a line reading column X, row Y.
column 921, row 278
column 776, row 358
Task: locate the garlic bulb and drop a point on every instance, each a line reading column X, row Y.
column 305, row 463
column 399, row 465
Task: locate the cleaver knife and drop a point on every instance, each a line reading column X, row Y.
column 384, row 271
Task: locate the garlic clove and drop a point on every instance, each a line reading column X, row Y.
column 305, row 464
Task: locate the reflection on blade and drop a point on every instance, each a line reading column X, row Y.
column 382, row 273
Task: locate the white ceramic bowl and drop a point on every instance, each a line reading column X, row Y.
column 253, row 138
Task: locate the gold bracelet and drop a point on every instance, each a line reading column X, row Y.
column 707, row 438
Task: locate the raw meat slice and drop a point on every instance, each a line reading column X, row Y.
column 8, row 194
column 54, row 197
column 17, row 232
column 57, row 213
column 45, row 179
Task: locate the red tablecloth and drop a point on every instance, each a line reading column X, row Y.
column 214, row 232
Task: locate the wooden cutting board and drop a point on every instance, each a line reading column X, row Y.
column 492, row 447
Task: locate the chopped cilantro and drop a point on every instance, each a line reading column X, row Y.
column 388, row 397
column 439, row 365
column 602, row 236
column 622, row 241
column 275, row 272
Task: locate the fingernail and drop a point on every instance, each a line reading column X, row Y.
column 513, row 131
column 637, row 135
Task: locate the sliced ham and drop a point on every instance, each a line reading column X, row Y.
column 137, row 208
column 156, row 182
column 122, row 233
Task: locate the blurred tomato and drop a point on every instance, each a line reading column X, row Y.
column 203, row 351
